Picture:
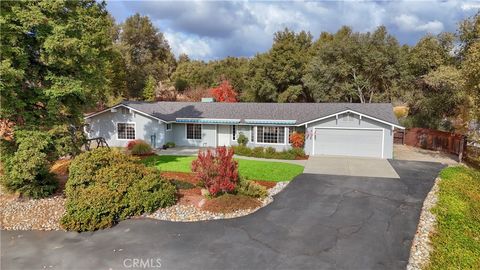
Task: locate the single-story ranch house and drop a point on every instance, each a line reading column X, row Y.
column 350, row 129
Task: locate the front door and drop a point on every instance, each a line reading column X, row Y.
column 223, row 135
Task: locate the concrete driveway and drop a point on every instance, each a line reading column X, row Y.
column 318, row 222
column 350, row 166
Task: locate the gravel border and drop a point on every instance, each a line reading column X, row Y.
column 421, row 245
column 189, row 213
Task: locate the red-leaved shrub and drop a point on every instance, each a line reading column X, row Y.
column 297, row 139
column 132, row 143
column 217, row 170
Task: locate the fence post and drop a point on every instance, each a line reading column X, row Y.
column 463, row 141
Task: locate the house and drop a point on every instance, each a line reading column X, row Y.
column 350, row 129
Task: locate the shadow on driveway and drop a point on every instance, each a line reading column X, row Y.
column 318, row 222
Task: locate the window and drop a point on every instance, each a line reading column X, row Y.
column 234, row 133
column 267, row 134
column 194, row 131
column 169, row 127
column 252, row 134
column 126, row 131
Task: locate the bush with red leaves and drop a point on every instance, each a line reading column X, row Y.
column 297, row 139
column 217, row 170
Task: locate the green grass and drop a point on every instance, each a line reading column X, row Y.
column 456, row 243
column 250, row 169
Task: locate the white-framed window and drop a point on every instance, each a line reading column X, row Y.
column 126, row 131
column 268, row 134
column 194, row 131
column 234, row 133
column 169, row 127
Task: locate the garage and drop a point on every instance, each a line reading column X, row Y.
column 361, row 142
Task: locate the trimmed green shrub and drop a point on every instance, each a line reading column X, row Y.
column 242, row 139
column 27, row 169
column 258, row 152
column 270, row 152
column 181, row 184
column 106, row 186
column 297, row 152
column 251, row 189
column 170, row 144
column 242, row 150
column 141, row 148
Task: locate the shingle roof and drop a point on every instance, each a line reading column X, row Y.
column 301, row 112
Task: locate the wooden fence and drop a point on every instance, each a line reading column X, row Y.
column 431, row 139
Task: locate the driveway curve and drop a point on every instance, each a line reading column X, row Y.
column 318, row 222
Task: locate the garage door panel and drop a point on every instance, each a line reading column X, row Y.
column 349, row 142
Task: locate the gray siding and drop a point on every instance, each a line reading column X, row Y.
column 105, row 125
column 355, row 122
column 209, row 136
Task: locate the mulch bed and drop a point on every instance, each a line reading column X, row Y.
column 182, row 176
column 230, row 203
column 267, row 184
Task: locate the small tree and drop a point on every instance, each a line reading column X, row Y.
column 242, row 139
column 217, row 170
column 149, row 89
column 224, row 92
column 297, row 139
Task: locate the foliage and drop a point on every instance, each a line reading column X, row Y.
column 456, row 243
column 229, row 203
column 170, row 144
column 250, row 169
column 181, row 184
column 297, row 139
column 54, row 60
column 146, row 53
column 346, row 67
column 269, row 152
column 251, row 189
column 224, row 92
column 27, row 170
column 218, row 171
column 277, row 74
column 141, row 148
column 242, row 139
column 105, row 186
column 149, row 89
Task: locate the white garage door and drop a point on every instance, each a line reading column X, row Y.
column 348, row 142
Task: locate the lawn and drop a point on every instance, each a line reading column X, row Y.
column 251, row 169
column 456, row 243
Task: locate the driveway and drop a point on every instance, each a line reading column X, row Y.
column 351, row 166
column 318, row 222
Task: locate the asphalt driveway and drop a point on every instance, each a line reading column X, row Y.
column 318, row 222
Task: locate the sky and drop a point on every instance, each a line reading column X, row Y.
column 208, row 30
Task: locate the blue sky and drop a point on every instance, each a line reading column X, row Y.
column 215, row 29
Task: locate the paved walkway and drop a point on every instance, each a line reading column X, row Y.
column 318, row 222
column 405, row 152
column 350, row 166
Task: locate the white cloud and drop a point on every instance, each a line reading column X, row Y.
column 412, row 23
column 213, row 29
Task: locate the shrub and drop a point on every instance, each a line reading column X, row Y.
column 297, row 139
column 251, row 189
column 170, row 144
column 131, row 144
column 27, row 169
column 105, row 186
column 297, row 152
column 270, row 152
column 258, row 152
column 242, row 139
column 242, row 150
column 141, row 148
column 217, row 170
